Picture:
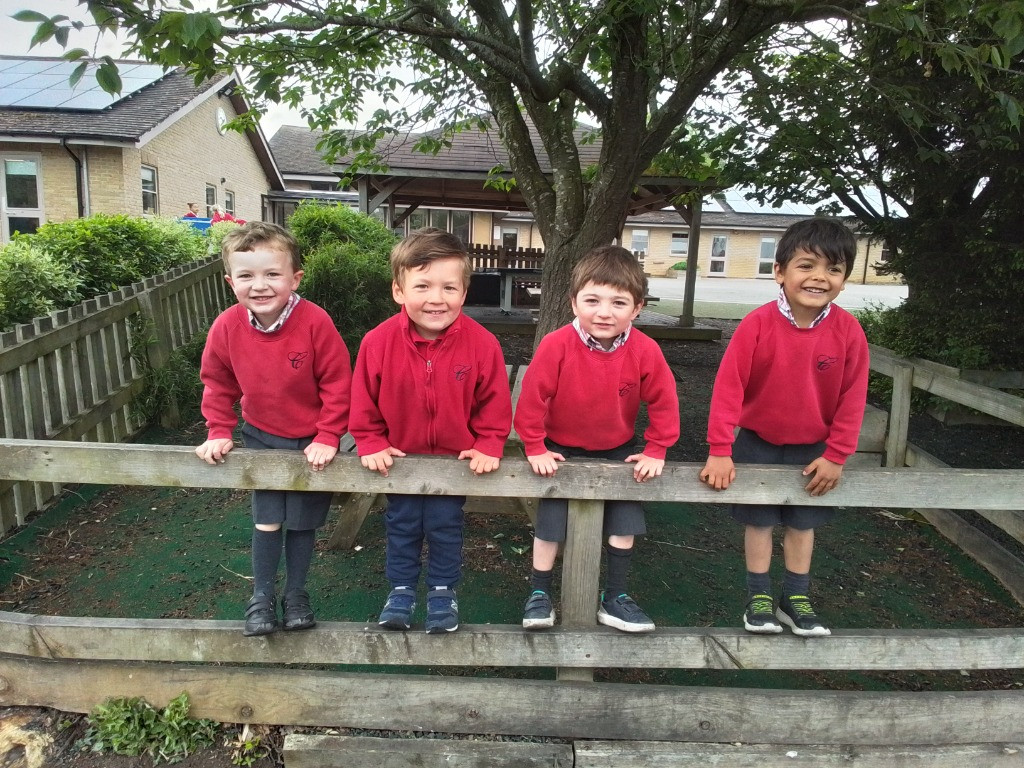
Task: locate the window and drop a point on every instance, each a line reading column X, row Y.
column 229, row 202
column 510, row 238
column 680, row 245
column 21, row 204
column 461, row 221
column 417, row 219
column 719, row 245
column 766, row 257
column 439, row 219
column 149, row 195
column 211, row 200
column 640, row 240
column 886, row 253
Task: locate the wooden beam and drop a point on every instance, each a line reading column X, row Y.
column 177, row 466
column 486, row 645
column 529, row 707
column 311, row 751
column 660, row 754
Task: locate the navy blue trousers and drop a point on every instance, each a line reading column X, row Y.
column 411, row 519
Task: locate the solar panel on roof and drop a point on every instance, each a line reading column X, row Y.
column 44, row 84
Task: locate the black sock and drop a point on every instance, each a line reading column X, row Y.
column 266, row 556
column 541, row 580
column 759, row 584
column 618, row 570
column 298, row 553
column 796, row 583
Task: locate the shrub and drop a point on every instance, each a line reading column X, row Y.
column 33, row 283
column 316, row 225
column 679, row 266
column 216, row 233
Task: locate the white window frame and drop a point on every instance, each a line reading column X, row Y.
column 640, row 241
column 768, row 261
column 229, row 202
column 211, row 199
column 6, row 213
column 675, row 239
column 154, row 192
column 718, row 261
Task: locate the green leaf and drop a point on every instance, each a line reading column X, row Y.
column 77, row 74
column 108, row 77
column 75, row 54
column 30, row 16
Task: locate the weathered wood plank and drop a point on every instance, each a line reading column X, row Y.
column 660, row 754
column 311, row 751
column 487, row 645
column 899, row 415
column 177, row 466
column 351, row 514
column 581, row 568
column 872, row 430
column 528, row 707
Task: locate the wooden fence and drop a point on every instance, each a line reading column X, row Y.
column 498, row 257
column 74, row 374
column 73, row 663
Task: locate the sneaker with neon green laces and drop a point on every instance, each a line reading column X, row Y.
column 797, row 613
column 759, row 616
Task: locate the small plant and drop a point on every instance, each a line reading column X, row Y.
column 132, row 726
column 249, row 746
column 679, row 266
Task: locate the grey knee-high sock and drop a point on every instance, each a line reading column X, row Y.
column 618, row 570
column 298, row 552
column 266, row 556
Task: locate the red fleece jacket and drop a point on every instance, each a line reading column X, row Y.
column 792, row 385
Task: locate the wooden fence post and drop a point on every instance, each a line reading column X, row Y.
column 158, row 351
column 899, row 415
column 581, row 568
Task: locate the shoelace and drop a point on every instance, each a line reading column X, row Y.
column 761, row 604
column 802, row 605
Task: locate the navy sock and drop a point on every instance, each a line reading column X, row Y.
column 758, row 584
column 796, row 583
column 266, row 556
column 298, row 553
column 541, row 580
column 618, row 570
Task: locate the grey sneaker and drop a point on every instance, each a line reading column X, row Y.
column 796, row 611
column 397, row 613
column 538, row 613
column 623, row 613
column 759, row 616
column 442, row 611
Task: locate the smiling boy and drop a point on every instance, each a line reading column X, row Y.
column 282, row 357
column 794, row 380
column 580, row 399
column 428, row 381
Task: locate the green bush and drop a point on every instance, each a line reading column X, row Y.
column 33, row 283
column 679, row 266
column 216, row 233
column 316, row 225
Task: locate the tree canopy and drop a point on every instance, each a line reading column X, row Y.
column 633, row 69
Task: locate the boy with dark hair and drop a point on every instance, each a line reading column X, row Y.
column 429, row 381
column 283, row 358
column 580, row 399
column 794, row 380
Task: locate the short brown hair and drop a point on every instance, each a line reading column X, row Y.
column 610, row 265
column 254, row 233
column 423, row 246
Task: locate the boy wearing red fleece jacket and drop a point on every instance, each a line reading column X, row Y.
column 429, row 381
column 794, row 380
column 284, row 359
column 580, row 399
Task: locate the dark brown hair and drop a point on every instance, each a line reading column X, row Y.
column 610, row 265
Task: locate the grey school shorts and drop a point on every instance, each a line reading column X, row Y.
column 621, row 518
column 749, row 448
column 298, row 510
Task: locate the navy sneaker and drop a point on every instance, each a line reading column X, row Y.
column 623, row 613
column 759, row 616
column 442, row 611
column 538, row 613
column 796, row 611
column 397, row 613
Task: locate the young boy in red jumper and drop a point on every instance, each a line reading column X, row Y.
column 580, row 399
column 284, row 359
column 428, row 381
column 794, row 379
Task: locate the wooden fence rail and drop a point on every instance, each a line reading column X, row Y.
column 73, row 375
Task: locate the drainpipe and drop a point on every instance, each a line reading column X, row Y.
column 79, row 178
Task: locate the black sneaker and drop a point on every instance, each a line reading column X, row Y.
column 796, row 611
column 261, row 615
column 538, row 614
column 623, row 613
column 759, row 616
column 442, row 611
column 397, row 613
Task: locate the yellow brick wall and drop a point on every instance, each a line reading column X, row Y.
column 115, row 183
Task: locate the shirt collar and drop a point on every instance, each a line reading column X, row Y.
column 787, row 311
column 285, row 313
column 594, row 344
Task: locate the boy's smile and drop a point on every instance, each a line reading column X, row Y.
column 810, row 283
column 263, row 281
column 604, row 311
column 432, row 295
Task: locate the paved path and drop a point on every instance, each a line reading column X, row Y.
column 726, row 290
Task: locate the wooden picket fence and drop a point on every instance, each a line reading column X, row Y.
column 498, row 257
column 73, row 663
column 73, row 375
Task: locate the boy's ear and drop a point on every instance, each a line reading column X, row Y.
column 397, row 293
column 777, row 271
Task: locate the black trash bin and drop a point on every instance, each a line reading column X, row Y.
column 484, row 289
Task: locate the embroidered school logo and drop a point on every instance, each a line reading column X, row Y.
column 462, row 371
column 826, row 361
column 626, row 387
column 296, row 359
